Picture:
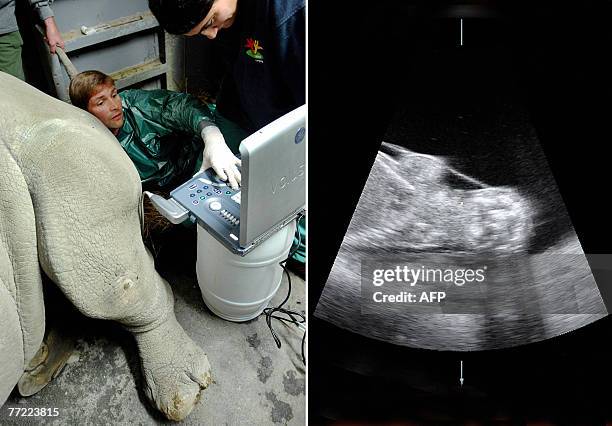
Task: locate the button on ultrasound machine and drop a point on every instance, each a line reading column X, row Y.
column 243, row 234
column 215, row 206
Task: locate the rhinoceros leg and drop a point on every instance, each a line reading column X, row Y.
column 22, row 316
column 86, row 195
column 90, row 245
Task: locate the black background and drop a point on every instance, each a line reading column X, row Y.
column 367, row 61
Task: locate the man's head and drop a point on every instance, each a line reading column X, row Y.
column 95, row 92
column 192, row 17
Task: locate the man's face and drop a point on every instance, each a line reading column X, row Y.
column 221, row 15
column 105, row 104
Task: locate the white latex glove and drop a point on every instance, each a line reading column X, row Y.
column 218, row 156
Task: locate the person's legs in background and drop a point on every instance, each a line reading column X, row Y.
column 10, row 54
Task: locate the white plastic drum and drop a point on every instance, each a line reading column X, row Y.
column 239, row 288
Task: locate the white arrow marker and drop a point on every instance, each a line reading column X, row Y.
column 461, row 378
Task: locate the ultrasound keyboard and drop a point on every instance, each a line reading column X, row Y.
column 213, row 203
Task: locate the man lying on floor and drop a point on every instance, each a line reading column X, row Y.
column 168, row 135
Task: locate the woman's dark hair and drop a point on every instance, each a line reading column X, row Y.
column 180, row 16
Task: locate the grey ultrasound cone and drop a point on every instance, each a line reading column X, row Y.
column 534, row 290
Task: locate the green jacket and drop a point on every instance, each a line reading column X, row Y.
column 161, row 133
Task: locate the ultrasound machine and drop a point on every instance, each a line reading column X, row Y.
column 244, row 233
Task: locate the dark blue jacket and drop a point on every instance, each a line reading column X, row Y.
column 265, row 53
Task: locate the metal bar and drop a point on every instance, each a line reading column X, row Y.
column 89, row 36
column 138, row 73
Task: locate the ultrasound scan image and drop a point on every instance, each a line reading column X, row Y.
column 468, row 188
column 459, row 259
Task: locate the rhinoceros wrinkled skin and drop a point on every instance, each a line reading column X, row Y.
column 69, row 202
column 21, row 300
column 532, row 294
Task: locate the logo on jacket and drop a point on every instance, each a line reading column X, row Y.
column 253, row 49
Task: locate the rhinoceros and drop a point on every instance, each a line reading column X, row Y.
column 69, row 205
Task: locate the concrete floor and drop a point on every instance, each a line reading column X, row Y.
column 255, row 383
